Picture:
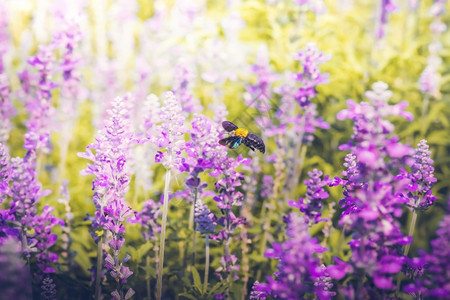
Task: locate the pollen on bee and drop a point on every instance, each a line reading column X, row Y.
column 242, row 132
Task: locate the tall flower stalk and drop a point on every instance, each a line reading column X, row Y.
column 200, row 151
column 228, row 197
column 205, row 221
column 300, row 272
column 111, row 183
column 372, row 195
column 418, row 196
column 170, row 139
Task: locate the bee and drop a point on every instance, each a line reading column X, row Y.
column 241, row 135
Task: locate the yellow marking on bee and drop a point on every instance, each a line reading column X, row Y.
column 242, row 132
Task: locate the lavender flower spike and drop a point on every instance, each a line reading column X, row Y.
column 311, row 206
column 204, row 218
column 171, row 138
column 300, row 272
column 419, row 196
column 172, row 131
column 111, row 183
column 4, row 172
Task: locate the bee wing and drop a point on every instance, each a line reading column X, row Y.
column 234, row 141
column 254, row 141
column 225, row 141
column 228, row 126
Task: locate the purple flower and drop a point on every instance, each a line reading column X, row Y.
column 48, row 289
column 113, row 147
column 71, row 91
column 310, row 77
column 148, row 218
column 299, row 271
column 259, row 291
column 42, row 225
column 387, row 6
column 430, row 272
column 259, row 94
column 40, row 106
column 372, row 193
column 421, row 180
column 6, row 108
column 204, row 219
column 5, row 172
column 171, row 132
column 14, row 279
column 181, row 90
column 267, row 188
column 311, row 206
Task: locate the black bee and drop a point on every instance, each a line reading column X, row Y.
column 241, row 135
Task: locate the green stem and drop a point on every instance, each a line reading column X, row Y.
column 205, row 281
column 25, row 246
column 148, row 277
column 98, row 288
column 162, row 240
column 411, row 230
column 194, row 238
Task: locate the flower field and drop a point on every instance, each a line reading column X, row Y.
column 235, row 149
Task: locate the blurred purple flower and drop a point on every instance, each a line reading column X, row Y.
column 188, row 103
column 310, row 58
column 387, row 7
column 299, row 271
column 48, row 289
column 171, row 132
column 6, row 108
column 373, row 195
column 435, row 266
column 259, row 291
column 40, row 107
column 15, row 279
column 148, row 218
column 204, row 219
column 312, row 206
column 5, row 172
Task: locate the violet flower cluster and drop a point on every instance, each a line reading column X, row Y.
column 300, row 273
column 201, row 152
column 171, row 133
column 181, row 90
column 434, row 279
column 430, row 79
column 387, row 7
column 312, row 206
column 310, row 77
column 204, row 219
column 373, row 201
column 22, row 220
column 419, row 195
column 15, row 279
column 39, row 106
column 6, row 107
column 148, row 218
column 112, row 150
column 4, row 172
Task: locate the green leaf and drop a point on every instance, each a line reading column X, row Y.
column 186, row 295
column 218, row 288
column 197, row 280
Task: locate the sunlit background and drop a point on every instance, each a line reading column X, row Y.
column 218, row 57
